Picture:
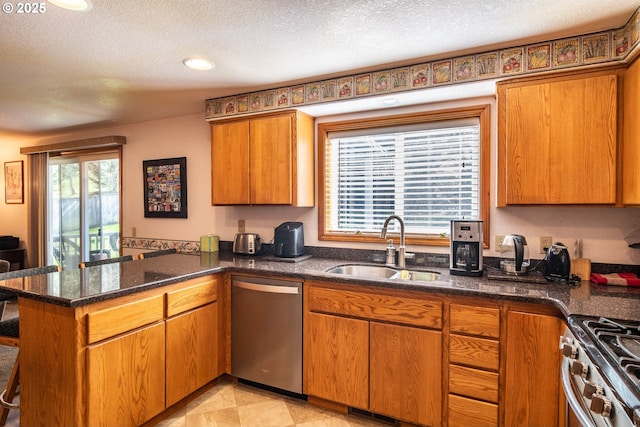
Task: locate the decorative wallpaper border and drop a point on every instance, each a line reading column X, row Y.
column 185, row 246
column 607, row 46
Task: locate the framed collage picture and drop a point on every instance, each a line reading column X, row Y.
column 165, row 188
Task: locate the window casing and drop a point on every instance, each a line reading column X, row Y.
column 427, row 167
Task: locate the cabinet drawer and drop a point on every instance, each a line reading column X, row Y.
column 464, row 412
column 482, row 321
column 196, row 295
column 473, row 383
column 109, row 322
column 410, row 311
column 477, row 352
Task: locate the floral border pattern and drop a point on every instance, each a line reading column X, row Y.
column 184, row 246
column 607, row 46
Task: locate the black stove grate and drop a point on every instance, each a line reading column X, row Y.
column 621, row 342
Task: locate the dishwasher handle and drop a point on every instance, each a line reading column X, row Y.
column 293, row 290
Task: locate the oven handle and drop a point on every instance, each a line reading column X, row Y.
column 576, row 405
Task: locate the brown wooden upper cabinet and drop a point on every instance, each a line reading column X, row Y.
column 558, row 139
column 267, row 159
column 631, row 136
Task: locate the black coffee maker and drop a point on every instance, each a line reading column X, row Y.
column 558, row 266
column 288, row 240
column 466, row 248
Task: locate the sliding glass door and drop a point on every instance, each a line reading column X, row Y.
column 83, row 208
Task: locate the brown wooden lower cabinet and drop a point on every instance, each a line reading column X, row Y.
column 405, row 373
column 354, row 358
column 338, row 359
column 532, row 369
column 112, row 363
column 474, row 364
column 391, row 370
column 495, row 364
column 125, row 375
column 191, row 347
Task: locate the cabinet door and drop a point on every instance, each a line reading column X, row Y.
column 271, row 160
column 192, row 353
column 532, row 383
column 631, row 136
column 406, row 373
column 337, row 355
column 126, row 378
column 558, row 142
column 230, row 163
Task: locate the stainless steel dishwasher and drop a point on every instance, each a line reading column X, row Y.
column 266, row 332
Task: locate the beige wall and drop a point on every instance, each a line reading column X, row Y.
column 602, row 229
column 12, row 217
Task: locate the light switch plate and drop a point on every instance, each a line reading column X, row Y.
column 241, row 226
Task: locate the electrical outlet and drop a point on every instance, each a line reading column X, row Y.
column 241, row 226
column 134, row 232
column 499, row 240
column 545, row 243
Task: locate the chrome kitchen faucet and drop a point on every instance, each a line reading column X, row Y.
column 402, row 255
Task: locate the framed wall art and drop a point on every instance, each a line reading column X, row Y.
column 165, row 188
column 13, row 182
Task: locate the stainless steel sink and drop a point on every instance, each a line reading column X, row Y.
column 423, row 276
column 364, row 271
column 368, row 271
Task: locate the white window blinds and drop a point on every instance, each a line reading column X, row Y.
column 427, row 174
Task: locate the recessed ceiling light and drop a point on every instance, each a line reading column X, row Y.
column 198, row 64
column 80, row 5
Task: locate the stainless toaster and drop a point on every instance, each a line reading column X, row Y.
column 247, row 244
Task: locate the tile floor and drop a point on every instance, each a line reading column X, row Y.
column 230, row 404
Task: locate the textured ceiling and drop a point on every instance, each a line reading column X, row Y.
column 120, row 62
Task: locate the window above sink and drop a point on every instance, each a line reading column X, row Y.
column 428, row 167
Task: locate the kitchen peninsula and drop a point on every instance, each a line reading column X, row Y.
column 121, row 343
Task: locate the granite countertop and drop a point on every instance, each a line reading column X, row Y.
column 78, row 287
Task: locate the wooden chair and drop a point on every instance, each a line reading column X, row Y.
column 123, row 258
column 9, row 336
column 157, row 253
column 4, row 267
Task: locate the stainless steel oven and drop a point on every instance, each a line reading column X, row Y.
column 600, row 371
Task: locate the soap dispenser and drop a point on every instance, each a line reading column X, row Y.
column 391, row 254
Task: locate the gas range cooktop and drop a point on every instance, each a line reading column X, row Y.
column 621, row 341
column 614, row 346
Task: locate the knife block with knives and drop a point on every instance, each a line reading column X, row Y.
column 580, row 266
